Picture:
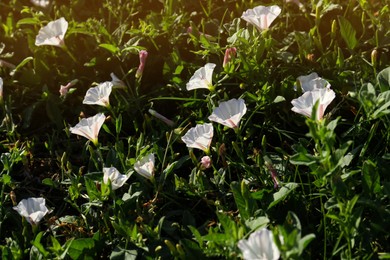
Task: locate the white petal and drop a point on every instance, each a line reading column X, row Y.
column 260, row 245
column 53, row 33
column 202, row 78
column 99, row 95
column 229, row 113
column 199, row 137
column 261, row 16
column 89, row 127
column 33, row 209
column 145, row 166
column 305, row 103
column 117, row 179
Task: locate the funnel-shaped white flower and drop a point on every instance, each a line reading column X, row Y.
column 33, row 209
column 260, row 246
column 261, row 16
column 305, row 103
column 202, row 78
column 145, row 166
column 229, row 113
column 41, row 3
column 89, row 127
column 199, row 137
column 116, row 82
column 117, row 179
column 53, row 33
column 99, row 95
column 312, row 82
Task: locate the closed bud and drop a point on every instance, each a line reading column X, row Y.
column 333, row 30
column 374, row 57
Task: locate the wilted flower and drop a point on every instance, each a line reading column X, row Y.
column 229, row 113
column 205, row 162
column 260, row 246
column 199, row 137
column 229, row 54
column 305, row 103
column 117, row 179
column 33, row 209
column 53, row 33
column 6, row 64
column 116, row 82
column 89, row 127
column 143, row 55
column 41, row 3
column 1, row 88
column 202, row 78
column 99, row 95
column 64, row 89
column 261, row 16
column 145, row 166
column 162, row 118
column 311, row 82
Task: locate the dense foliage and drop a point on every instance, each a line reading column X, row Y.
column 320, row 185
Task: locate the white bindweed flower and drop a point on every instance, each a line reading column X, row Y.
column 202, row 78
column 41, row 3
column 53, row 33
column 229, row 113
column 33, row 209
column 260, row 246
column 145, row 166
column 311, row 82
column 117, row 179
column 116, row 82
column 89, row 127
column 305, row 103
column 261, row 16
column 199, row 137
column 99, row 95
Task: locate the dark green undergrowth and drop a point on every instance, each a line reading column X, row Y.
column 321, row 186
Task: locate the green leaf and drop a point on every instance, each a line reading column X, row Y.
column 111, row 48
column 383, row 79
column 283, row 193
column 303, row 159
column 279, row 99
column 245, row 203
column 82, row 248
column 347, row 32
column 31, row 21
column 122, row 254
column 21, row 65
column 371, row 179
column 39, row 246
column 304, row 242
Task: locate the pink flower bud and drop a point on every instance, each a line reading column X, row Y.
column 229, row 54
column 143, row 55
column 64, row 89
column 205, row 162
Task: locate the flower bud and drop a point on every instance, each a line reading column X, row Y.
column 143, row 55
column 205, row 162
column 229, row 54
column 374, row 57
